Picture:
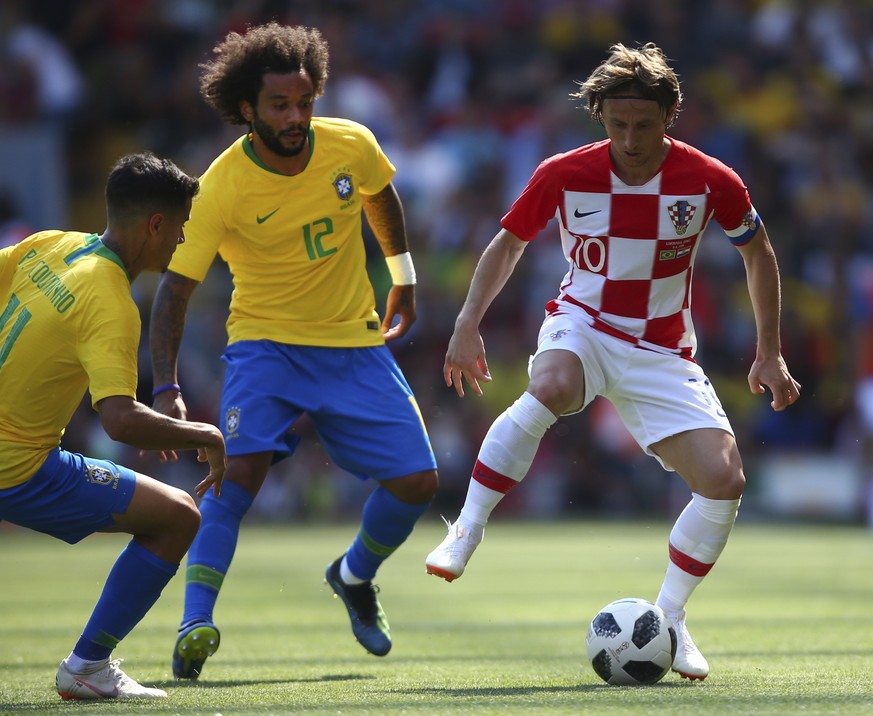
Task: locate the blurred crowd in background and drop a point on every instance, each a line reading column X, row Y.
column 466, row 97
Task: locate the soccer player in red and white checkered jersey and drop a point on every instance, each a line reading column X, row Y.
column 631, row 210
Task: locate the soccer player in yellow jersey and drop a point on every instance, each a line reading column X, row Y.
column 282, row 206
column 68, row 324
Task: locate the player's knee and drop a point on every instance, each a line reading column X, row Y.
column 734, row 479
column 184, row 516
column 736, row 484
column 248, row 471
column 428, row 484
column 416, row 489
column 729, row 485
column 174, row 521
column 558, row 395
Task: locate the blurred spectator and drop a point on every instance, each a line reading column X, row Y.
column 47, row 76
column 13, row 228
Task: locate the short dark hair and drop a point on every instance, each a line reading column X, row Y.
column 144, row 183
column 241, row 61
column 642, row 72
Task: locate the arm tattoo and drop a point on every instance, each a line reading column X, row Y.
column 384, row 214
column 167, row 324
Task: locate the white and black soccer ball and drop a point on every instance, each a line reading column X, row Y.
column 631, row 642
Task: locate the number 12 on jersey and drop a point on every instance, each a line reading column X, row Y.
column 313, row 238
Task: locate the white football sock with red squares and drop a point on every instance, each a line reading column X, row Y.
column 505, row 457
column 696, row 541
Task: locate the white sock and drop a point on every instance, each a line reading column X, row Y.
column 478, row 506
column 347, row 576
column 78, row 665
column 696, row 541
column 509, row 449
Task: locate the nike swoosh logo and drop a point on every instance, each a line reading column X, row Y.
column 262, row 219
column 97, row 690
column 582, row 214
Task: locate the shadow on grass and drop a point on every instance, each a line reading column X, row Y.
column 534, row 690
column 223, row 684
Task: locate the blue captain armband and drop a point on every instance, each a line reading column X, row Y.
column 746, row 230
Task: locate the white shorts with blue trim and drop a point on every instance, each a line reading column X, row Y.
column 655, row 394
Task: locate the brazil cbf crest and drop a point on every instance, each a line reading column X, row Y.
column 99, row 475
column 681, row 213
column 342, row 184
column 231, row 422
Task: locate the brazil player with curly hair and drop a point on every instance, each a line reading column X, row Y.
column 282, row 206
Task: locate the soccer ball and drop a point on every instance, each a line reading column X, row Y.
column 630, row 642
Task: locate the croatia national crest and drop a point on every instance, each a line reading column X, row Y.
column 681, row 213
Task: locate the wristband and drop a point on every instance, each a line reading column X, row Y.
column 401, row 269
column 165, row 388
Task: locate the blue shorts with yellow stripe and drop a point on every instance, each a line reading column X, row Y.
column 357, row 399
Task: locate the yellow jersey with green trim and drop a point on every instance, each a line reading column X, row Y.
column 68, row 323
column 292, row 243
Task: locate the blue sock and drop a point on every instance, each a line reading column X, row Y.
column 212, row 551
column 132, row 587
column 386, row 522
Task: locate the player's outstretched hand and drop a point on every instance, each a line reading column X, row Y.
column 773, row 373
column 400, row 303
column 465, row 359
column 168, row 403
column 216, row 456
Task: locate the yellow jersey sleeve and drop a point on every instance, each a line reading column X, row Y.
column 204, row 231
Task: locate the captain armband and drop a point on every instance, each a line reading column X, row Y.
column 401, row 269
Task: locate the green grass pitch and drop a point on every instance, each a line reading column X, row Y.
column 785, row 619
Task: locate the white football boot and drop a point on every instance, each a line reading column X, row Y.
column 689, row 663
column 108, row 682
column 450, row 558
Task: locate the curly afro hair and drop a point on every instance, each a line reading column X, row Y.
column 241, row 61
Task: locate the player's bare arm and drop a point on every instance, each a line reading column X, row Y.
column 769, row 368
column 465, row 356
column 165, row 336
column 384, row 213
column 129, row 421
column 166, row 326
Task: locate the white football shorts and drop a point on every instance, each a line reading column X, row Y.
column 656, row 394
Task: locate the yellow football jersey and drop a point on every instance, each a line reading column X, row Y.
column 292, row 243
column 68, row 324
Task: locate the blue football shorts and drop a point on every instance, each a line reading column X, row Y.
column 70, row 497
column 357, row 399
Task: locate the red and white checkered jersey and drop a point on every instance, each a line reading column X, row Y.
column 631, row 248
